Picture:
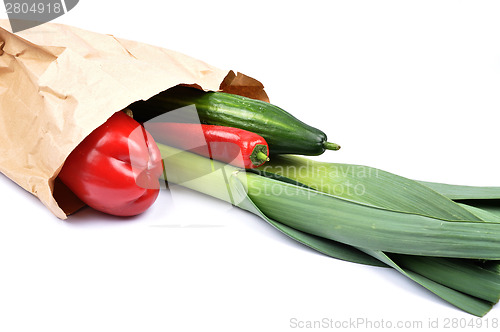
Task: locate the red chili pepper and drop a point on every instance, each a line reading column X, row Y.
column 234, row 146
column 116, row 169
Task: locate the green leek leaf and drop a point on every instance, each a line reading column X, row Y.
column 458, row 192
column 368, row 186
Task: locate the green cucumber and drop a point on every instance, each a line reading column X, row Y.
column 284, row 133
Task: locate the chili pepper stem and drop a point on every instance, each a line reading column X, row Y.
column 331, row 146
column 262, row 156
column 259, row 155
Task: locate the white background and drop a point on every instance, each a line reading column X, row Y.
column 409, row 87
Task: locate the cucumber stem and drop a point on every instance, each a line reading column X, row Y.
column 262, row 156
column 331, row 146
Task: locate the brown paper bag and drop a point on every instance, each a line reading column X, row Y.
column 58, row 83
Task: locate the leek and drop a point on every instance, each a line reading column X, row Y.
column 400, row 228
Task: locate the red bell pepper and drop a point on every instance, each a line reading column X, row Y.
column 115, row 169
column 234, row 146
